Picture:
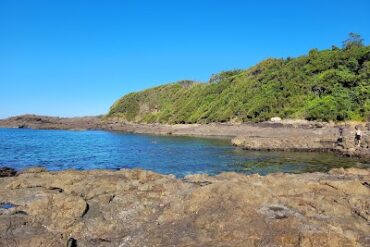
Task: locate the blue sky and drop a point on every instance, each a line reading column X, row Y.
column 74, row 58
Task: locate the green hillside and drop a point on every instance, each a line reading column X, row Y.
column 326, row 85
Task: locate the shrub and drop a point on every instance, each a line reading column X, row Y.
column 328, row 85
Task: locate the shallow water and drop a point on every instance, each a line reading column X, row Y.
column 60, row 150
column 7, row 205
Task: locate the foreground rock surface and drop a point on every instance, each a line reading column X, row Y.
column 141, row 208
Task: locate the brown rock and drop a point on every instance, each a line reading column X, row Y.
column 141, row 208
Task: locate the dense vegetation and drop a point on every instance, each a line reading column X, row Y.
column 323, row 85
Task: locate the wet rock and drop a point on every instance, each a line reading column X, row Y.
column 141, row 208
column 7, row 172
column 72, row 242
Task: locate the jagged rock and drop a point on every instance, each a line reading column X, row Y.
column 141, row 208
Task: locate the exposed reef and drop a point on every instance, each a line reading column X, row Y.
column 141, row 208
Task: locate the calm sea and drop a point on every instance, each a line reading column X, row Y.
column 83, row 150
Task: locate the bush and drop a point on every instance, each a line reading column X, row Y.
column 328, row 85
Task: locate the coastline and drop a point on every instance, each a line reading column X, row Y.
column 133, row 207
column 280, row 136
column 137, row 208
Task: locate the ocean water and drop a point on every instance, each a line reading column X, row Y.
column 83, row 150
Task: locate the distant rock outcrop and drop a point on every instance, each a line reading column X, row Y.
column 47, row 122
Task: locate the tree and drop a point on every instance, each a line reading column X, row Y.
column 334, row 48
column 224, row 75
column 354, row 40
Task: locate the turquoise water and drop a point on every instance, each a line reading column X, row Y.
column 60, row 150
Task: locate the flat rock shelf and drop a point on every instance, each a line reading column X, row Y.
column 142, row 208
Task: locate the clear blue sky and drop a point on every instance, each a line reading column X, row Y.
column 74, row 58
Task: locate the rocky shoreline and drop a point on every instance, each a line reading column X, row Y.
column 142, row 208
column 278, row 135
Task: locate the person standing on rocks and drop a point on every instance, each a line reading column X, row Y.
column 358, row 136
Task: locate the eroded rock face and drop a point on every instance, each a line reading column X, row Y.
column 141, row 208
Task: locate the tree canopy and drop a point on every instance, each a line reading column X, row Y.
column 327, row 85
column 354, row 40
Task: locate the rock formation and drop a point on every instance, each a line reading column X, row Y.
column 141, row 208
column 338, row 139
